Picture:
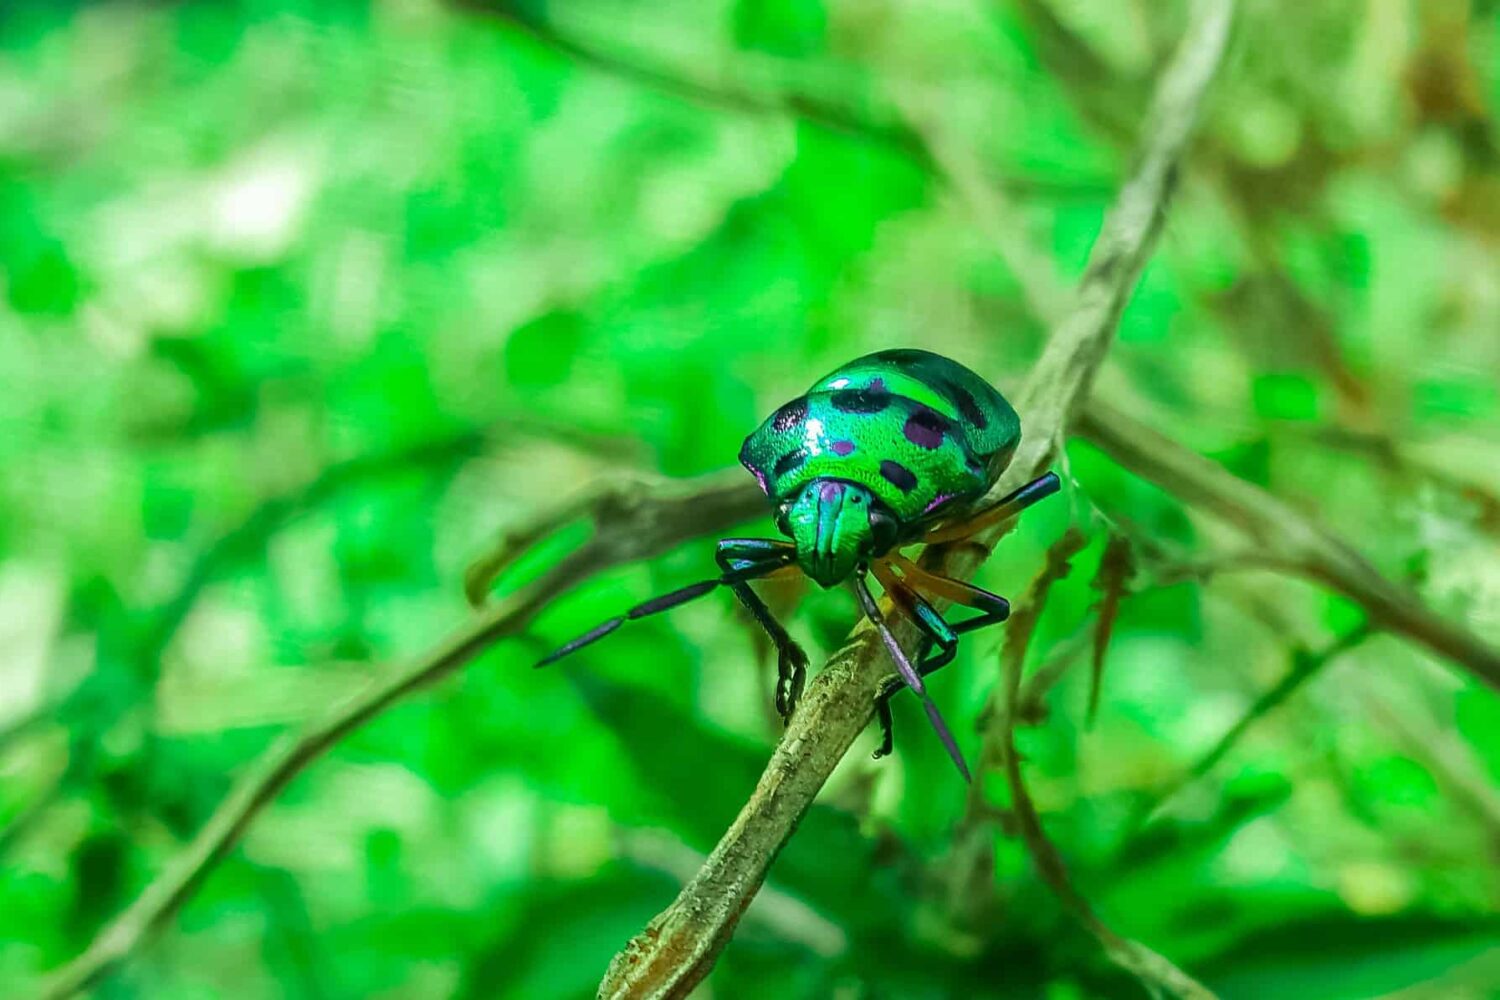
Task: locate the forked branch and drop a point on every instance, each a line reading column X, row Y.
column 1285, row 533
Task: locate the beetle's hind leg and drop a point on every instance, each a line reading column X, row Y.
column 942, row 634
column 910, row 676
column 791, row 661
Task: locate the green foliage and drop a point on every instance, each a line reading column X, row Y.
column 301, row 303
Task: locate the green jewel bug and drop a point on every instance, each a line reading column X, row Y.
column 892, row 449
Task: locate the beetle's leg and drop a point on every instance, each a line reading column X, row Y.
column 791, row 661
column 1003, row 509
column 736, row 574
column 932, row 625
column 908, row 673
column 887, row 734
column 994, row 607
column 924, row 616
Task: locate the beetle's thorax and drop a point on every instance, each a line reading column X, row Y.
column 838, row 526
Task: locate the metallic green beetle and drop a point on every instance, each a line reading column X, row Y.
column 892, row 449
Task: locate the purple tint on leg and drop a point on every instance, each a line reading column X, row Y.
column 908, row 674
column 871, row 608
column 903, row 665
column 841, row 448
column 937, row 502
column 949, row 743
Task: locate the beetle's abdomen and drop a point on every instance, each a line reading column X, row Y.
column 908, row 454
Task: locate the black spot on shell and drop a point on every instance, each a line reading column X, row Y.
column 791, row 460
column 967, row 407
column 898, row 475
column 868, row 400
column 789, row 416
column 925, row 428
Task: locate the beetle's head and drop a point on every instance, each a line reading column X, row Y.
column 837, row 525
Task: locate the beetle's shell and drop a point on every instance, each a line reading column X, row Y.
column 921, row 432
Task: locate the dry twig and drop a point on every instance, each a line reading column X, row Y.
column 1135, row 958
column 1285, row 535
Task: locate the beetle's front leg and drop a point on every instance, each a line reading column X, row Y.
column 791, row 661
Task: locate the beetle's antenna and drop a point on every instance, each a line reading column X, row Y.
column 908, row 673
column 665, row 602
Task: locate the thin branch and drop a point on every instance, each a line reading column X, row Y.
column 1143, row 963
column 1305, row 664
column 1402, row 461
column 970, row 866
column 1444, row 753
column 642, row 526
column 597, row 502
column 23, row 725
column 788, row 917
column 680, row 946
column 1018, row 632
column 225, row 550
column 1285, row 533
column 274, row 512
column 1160, row 571
column 26, row 819
column 749, row 86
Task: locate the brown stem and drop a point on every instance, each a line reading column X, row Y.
column 1284, row 533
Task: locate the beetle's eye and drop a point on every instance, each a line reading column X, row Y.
column 782, row 524
column 883, row 529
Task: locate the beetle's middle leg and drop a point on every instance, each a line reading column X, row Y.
column 791, row 661
column 943, row 634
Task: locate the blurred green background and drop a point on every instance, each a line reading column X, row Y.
column 302, row 302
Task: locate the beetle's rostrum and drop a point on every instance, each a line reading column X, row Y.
column 893, row 449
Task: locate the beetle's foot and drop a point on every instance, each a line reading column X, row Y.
column 791, row 676
column 887, row 741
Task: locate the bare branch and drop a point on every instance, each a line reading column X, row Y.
column 755, row 86
column 1442, row 751
column 642, row 525
column 1135, row 958
column 680, row 946
column 1305, row 664
column 971, row 861
column 1285, row 533
column 1019, row 630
